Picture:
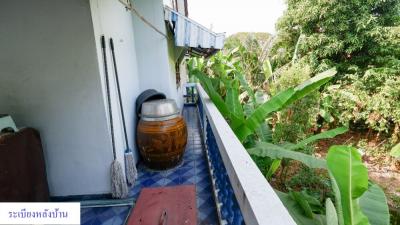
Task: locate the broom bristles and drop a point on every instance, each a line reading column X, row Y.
column 130, row 168
column 119, row 188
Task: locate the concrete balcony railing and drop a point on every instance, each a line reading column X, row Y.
column 242, row 193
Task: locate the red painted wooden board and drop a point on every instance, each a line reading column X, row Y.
column 179, row 203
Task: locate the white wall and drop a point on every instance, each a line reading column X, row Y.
column 49, row 79
column 52, row 78
column 111, row 19
column 155, row 69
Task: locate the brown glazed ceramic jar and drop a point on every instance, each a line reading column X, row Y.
column 161, row 134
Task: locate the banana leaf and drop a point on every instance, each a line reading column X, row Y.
column 395, row 152
column 273, row 168
column 297, row 212
column 267, row 69
column 331, row 216
column 338, row 199
column 374, row 205
column 216, row 98
column 351, row 176
column 232, row 99
column 281, row 100
column 273, row 151
column 305, row 206
column 262, row 112
column 264, row 132
column 312, row 84
column 247, row 88
column 324, row 135
column 248, row 109
column 216, row 83
column 296, row 48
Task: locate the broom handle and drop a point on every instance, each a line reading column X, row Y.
column 119, row 93
column 103, row 48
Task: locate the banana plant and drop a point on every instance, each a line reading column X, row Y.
column 358, row 201
column 279, row 102
column 287, row 150
column 247, row 126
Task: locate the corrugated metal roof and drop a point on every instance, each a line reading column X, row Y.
column 189, row 33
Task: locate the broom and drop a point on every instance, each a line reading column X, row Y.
column 130, row 168
column 119, row 189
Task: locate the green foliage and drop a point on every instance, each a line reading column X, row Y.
column 277, row 152
column 297, row 212
column 290, row 77
column 229, row 77
column 325, row 135
column 297, row 120
column 396, row 151
column 362, row 40
column 276, row 163
column 251, row 52
column 331, row 215
column 280, row 101
column 216, row 98
column 374, row 205
column 339, row 33
column 373, row 100
column 301, row 200
column 305, row 178
column 312, row 181
column 241, row 38
column 355, row 198
column 266, row 109
column 351, row 177
column 358, row 202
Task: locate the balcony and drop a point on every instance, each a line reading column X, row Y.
column 230, row 188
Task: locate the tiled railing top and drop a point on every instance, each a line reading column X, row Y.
column 257, row 200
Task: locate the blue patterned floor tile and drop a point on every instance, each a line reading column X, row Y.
column 150, row 182
column 205, row 189
column 172, row 182
column 122, row 209
column 198, row 152
column 205, row 201
column 187, row 180
column 191, row 157
column 201, row 163
column 118, row 221
column 134, row 192
column 188, row 164
column 105, row 215
column 146, row 174
column 201, row 177
column 89, row 222
column 85, row 210
column 97, row 222
column 185, row 171
column 166, row 173
column 108, row 222
column 87, row 215
column 208, row 216
column 193, row 170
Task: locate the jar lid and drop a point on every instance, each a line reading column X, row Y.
column 158, row 110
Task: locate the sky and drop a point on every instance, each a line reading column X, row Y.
column 232, row 16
